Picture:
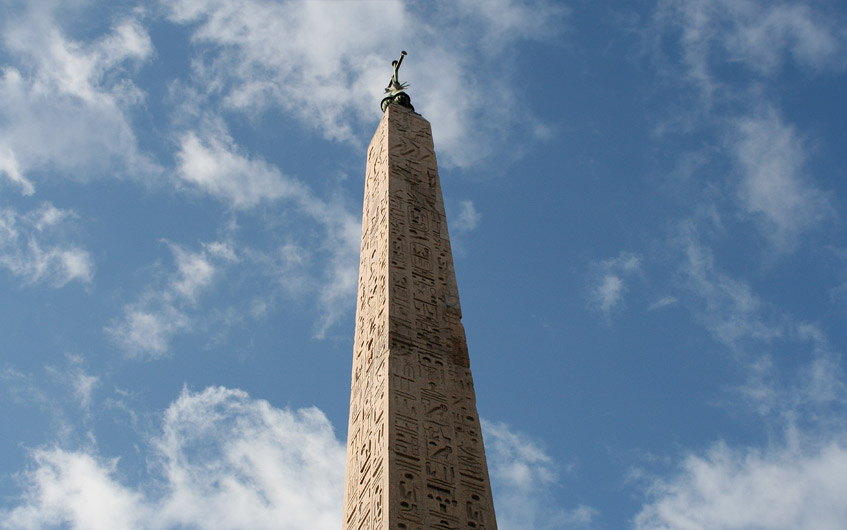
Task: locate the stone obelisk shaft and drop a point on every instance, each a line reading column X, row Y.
column 415, row 457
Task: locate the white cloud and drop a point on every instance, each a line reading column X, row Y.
column 765, row 32
column 757, row 34
column 32, row 247
column 609, row 292
column 759, row 391
column 147, row 325
column 331, row 67
column 47, row 216
column 727, row 307
column 84, row 385
column 222, row 461
column 608, row 289
column 195, row 271
column 323, row 269
column 80, row 383
column 316, row 72
column 64, row 104
column 342, row 274
column 240, row 463
column 326, row 273
column 24, row 389
column 147, row 332
column 210, row 161
column 501, row 22
column 522, row 474
column 773, row 186
column 821, row 381
column 468, row 218
column 663, row 302
column 215, row 166
column 759, row 37
column 75, row 488
column 62, row 394
column 809, row 388
column 783, row 488
column 9, row 167
column 67, row 101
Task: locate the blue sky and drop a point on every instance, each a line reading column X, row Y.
column 646, row 202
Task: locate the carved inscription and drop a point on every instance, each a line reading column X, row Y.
column 415, row 457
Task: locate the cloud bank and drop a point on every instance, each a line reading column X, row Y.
column 224, row 460
column 783, row 488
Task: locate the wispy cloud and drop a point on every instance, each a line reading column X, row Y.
column 761, row 36
column 63, row 393
column 819, row 393
column 773, row 185
column 209, row 161
column 753, row 330
column 147, row 328
column 501, row 22
column 9, row 167
column 607, row 286
column 74, row 376
column 728, row 54
column 796, row 479
column 755, row 39
column 468, row 218
column 33, row 247
column 521, row 475
column 726, row 306
column 663, row 302
column 147, row 325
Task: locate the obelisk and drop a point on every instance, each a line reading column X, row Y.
column 415, row 457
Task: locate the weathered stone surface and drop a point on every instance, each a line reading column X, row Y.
column 415, row 457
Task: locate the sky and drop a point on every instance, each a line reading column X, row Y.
column 646, row 203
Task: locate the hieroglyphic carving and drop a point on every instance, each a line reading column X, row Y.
column 415, row 457
column 365, row 497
